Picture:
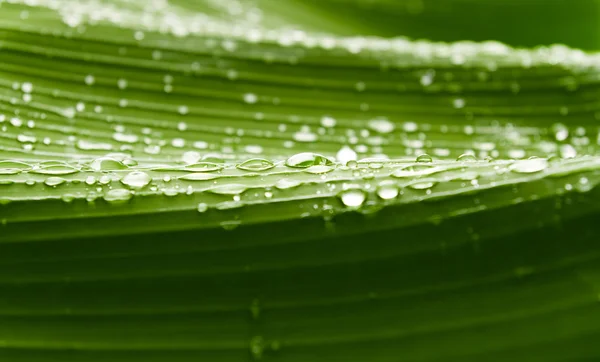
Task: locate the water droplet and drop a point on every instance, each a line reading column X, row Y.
column 529, row 166
column 257, row 347
column 202, row 207
column 256, row 164
column 89, row 79
column 381, row 125
column 183, row 110
column 424, row 185
column 307, row 159
column 467, row 157
column 191, row 157
column 230, row 224
column 118, row 195
column 122, row 83
column 352, row 164
column 285, row 183
column 250, row 98
column 27, row 87
column 305, row 136
column 387, row 190
column 345, row 155
column 424, row 158
column 353, row 198
column 328, row 122
column 458, row 103
column 229, row 189
column 561, row 132
column 107, row 164
column 54, row 169
column 136, row 180
column 54, row 181
column 319, row 169
column 567, row 151
column 255, row 309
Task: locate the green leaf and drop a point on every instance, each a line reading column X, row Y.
column 235, row 181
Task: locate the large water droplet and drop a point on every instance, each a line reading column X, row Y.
column 256, row 164
column 307, row 159
column 529, row 166
column 346, row 154
column 353, row 198
column 54, row 181
column 115, row 196
column 136, row 180
column 229, row 189
column 285, row 183
column 107, row 164
column 423, row 185
column 387, row 190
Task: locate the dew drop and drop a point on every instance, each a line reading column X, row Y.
column 107, row 164
column 328, row 122
column 89, row 79
column 425, row 185
column 387, row 190
column 466, row 157
column 250, row 98
column 136, row 180
column 529, row 166
column 54, row 181
column 229, row 189
column 191, row 157
column 424, row 158
column 307, row 159
column 346, row 154
column 118, row 195
column 284, row 184
column 381, row 125
column 257, row 346
column 256, row 164
column 202, row 207
column 353, row 198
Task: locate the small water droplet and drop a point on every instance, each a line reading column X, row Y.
column 250, row 98
column 257, row 345
column 381, row 125
column 328, row 122
column 202, row 207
